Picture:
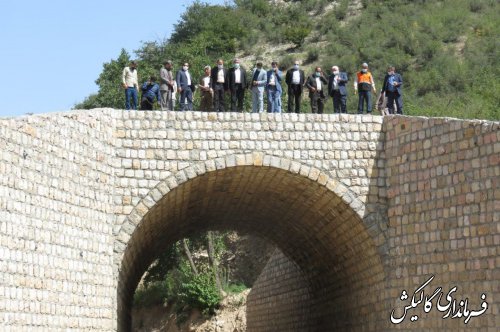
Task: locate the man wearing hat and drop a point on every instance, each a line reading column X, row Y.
column 364, row 84
column 167, row 102
column 206, row 91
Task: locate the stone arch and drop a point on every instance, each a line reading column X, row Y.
column 320, row 228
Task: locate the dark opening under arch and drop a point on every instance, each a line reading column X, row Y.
column 310, row 223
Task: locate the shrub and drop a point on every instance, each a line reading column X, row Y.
column 287, row 61
column 153, row 294
column 297, row 34
column 341, row 10
column 187, row 290
column 200, row 291
column 476, row 6
column 312, row 55
column 235, row 288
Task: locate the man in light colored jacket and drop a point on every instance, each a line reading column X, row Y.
column 167, row 101
column 259, row 80
column 130, row 83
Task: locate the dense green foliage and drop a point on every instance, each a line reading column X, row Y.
column 200, row 291
column 172, row 280
column 446, row 50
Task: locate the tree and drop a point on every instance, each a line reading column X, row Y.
column 110, row 92
column 218, row 25
column 297, row 34
column 213, row 260
column 187, row 252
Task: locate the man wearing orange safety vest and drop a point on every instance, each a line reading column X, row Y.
column 363, row 85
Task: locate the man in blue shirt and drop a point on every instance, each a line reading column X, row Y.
column 150, row 93
column 393, row 91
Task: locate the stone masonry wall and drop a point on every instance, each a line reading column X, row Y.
column 56, row 240
column 157, row 150
column 74, row 186
column 443, row 180
column 278, row 299
column 150, row 146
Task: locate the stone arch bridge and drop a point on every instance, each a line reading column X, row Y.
column 361, row 208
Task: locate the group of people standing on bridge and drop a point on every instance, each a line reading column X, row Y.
column 219, row 80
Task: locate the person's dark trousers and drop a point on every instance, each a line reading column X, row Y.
column 237, row 96
column 219, row 103
column 186, row 102
column 364, row 96
column 146, row 104
column 294, row 98
column 317, row 102
column 339, row 102
column 131, row 93
column 391, row 97
column 206, row 102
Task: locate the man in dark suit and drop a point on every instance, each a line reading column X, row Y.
column 295, row 80
column 337, row 90
column 393, row 91
column 186, row 87
column 236, row 82
column 219, row 85
column 317, row 84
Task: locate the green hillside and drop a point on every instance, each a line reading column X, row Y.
column 447, row 51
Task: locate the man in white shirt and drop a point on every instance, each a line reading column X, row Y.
column 295, row 80
column 206, row 91
column 274, row 77
column 317, row 85
column 185, row 87
column 130, row 83
column 259, row 82
column 337, row 89
column 219, row 85
column 236, row 82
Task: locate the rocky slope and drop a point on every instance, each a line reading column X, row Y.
column 230, row 317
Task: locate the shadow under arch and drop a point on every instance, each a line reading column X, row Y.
column 315, row 220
